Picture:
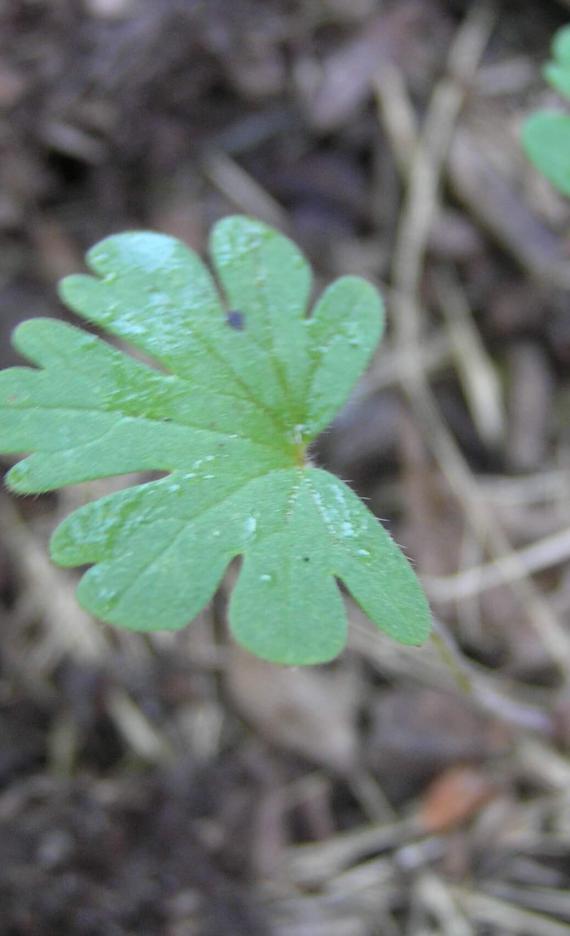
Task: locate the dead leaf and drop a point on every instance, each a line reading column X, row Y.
column 454, row 797
column 310, row 712
column 417, row 733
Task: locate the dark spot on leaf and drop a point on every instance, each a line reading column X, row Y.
column 306, row 559
column 235, row 319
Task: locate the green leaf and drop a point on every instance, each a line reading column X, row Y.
column 557, row 72
column 546, row 134
column 234, row 383
column 546, row 139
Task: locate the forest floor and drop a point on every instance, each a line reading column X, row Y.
column 171, row 785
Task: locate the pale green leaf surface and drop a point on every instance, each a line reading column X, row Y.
column 561, row 46
column 559, row 77
column 339, row 345
column 546, row 134
column 326, row 532
column 268, row 280
column 546, row 139
column 557, row 72
column 244, row 378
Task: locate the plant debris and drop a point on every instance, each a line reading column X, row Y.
column 158, row 785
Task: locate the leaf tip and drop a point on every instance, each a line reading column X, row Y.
column 18, row 478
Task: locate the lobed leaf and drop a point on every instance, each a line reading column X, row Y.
column 236, row 381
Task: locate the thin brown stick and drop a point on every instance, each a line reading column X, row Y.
column 419, row 211
column 543, row 554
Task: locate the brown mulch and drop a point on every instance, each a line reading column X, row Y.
column 171, row 785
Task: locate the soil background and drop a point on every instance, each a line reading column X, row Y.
column 171, row 785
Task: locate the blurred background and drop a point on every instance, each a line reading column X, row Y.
column 171, row 785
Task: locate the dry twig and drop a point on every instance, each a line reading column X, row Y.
column 420, row 209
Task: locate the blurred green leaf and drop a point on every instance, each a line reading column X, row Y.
column 546, row 134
